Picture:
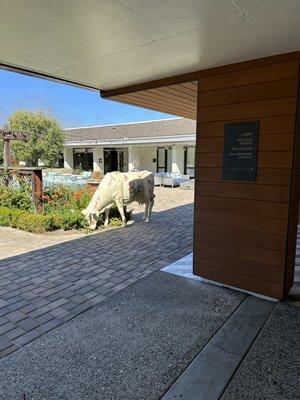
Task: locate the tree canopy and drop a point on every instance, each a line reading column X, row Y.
column 44, row 134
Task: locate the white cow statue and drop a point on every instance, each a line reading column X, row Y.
column 121, row 189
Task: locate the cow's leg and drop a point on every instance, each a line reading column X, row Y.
column 150, row 202
column 150, row 206
column 106, row 213
column 120, row 206
column 145, row 216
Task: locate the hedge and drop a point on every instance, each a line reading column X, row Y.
column 40, row 223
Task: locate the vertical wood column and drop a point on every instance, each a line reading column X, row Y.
column 245, row 232
column 6, row 153
column 37, row 187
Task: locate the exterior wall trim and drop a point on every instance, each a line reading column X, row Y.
column 133, row 141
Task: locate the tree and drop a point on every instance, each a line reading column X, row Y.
column 1, row 152
column 45, row 137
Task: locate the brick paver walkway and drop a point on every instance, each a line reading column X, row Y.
column 44, row 287
column 14, row 242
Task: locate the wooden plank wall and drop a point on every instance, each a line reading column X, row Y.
column 245, row 231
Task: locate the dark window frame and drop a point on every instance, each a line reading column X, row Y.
column 185, row 156
column 165, row 167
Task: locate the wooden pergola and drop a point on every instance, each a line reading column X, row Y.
column 35, row 174
column 8, row 135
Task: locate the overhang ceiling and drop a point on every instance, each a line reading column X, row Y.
column 179, row 99
column 108, row 44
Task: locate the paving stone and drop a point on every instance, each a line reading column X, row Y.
column 29, row 296
column 102, row 290
column 17, row 305
column 7, row 327
column 3, row 320
column 29, row 308
column 68, row 306
column 28, row 324
column 48, row 326
column 57, row 303
column 5, row 342
column 77, row 299
column 44, row 318
column 3, row 303
column 39, row 311
column 15, row 333
column 115, row 279
column 69, row 317
column 8, row 350
column 81, row 308
column 4, row 311
column 96, row 299
column 16, row 316
column 53, row 297
column 40, row 302
column 90, row 294
column 59, row 313
column 27, row 337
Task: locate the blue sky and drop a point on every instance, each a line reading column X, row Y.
column 70, row 105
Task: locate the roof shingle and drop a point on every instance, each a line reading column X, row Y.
column 147, row 129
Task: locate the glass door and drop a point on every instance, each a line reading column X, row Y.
column 121, row 160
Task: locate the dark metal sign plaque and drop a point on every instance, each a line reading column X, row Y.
column 240, row 151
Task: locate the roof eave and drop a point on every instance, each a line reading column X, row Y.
column 132, row 141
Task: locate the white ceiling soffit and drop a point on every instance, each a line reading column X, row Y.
column 109, row 44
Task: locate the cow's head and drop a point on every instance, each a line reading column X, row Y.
column 91, row 217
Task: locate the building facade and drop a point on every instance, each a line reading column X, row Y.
column 157, row 146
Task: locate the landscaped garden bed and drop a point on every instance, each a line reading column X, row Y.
column 60, row 208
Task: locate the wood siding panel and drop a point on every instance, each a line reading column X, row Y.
column 157, row 107
column 253, row 223
column 258, row 239
column 279, row 159
column 259, row 91
column 243, row 230
column 242, row 206
column 275, row 72
column 274, row 176
column 220, row 260
column 280, row 194
column 267, row 125
column 251, row 110
column 246, row 282
column 276, row 142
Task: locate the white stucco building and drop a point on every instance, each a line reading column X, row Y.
column 159, row 146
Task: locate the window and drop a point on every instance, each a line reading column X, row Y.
column 161, row 160
column 83, row 159
column 189, row 161
column 164, row 159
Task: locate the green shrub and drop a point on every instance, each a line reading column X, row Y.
column 61, row 210
column 24, row 220
column 67, row 220
column 5, row 216
column 29, row 222
column 115, row 222
column 19, row 198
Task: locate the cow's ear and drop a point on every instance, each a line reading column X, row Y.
column 84, row 212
